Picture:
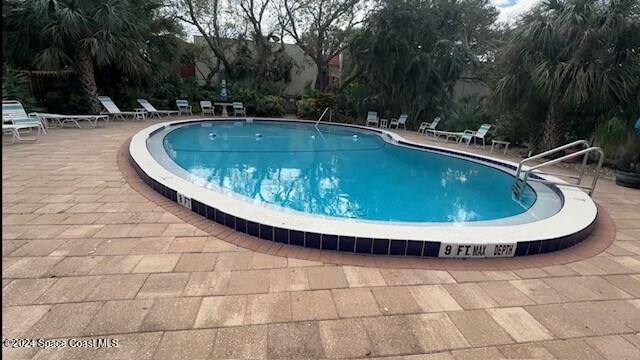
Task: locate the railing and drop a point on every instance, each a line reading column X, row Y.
column 522, row 176
column 323, row 114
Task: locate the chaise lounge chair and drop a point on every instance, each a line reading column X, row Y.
column 152, row 111
column 402, row 120
column 184, row 107
column 469, row 135
column 460, row 136
column 14, row 130
column 13, row 113
column 61, row 120
column 372, row 118
column 426, row 126
column 113, row 110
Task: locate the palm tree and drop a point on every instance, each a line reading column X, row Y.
column 411, row 53
column 78, row 33
column 571, row 54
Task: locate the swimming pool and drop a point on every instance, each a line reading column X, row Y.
column 348, row 187
column 342, row 172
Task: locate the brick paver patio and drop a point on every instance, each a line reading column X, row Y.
column 86, row 255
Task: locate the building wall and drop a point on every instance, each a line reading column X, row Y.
column 304, row 70
column 469, row 86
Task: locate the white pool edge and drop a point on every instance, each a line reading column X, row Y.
column 577, row 214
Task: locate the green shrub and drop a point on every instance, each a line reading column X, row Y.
column 306, row 108
column 466, row 113
column 15, row 86
column 611, row 136
column 516, row 129
column 270, row 105
column 311, row 107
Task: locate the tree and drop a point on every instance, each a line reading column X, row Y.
column 412, row 52
column 268, row 61
column 322, row 28
column 244, row 45
column 208, row 17
column 570, row 56
column 78, row 33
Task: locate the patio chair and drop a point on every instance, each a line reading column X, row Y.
column 207, row 107
column 457, row 136
column 60, row 119
column 481, row 133
column 402, row 120
column 184, row 107
column 13, row 113
column 372, row 118
column 425, row 126
column 113, row 110
column 151, row 110
column 239, row 109
column 14, row 130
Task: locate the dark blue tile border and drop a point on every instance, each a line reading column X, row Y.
column 266, row 232
column 364, row 245
column 381, row 246
column 281, row 235
column 398, row 247
column 312, row 240
column 329, row 242
column 296, row 237
column 347, row 243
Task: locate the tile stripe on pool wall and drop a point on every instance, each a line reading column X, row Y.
column 336, row 242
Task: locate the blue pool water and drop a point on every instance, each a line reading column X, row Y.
column 342, row 172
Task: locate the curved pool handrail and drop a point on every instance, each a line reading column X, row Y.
column 520, row 183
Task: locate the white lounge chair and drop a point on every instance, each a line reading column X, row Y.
column 114, row 111
column 13, row 113
column 425, row 126
column 184, row 107
column 401, row 121
column 469, row 135
column 372, row 118
column 238, row 109
column 16, row 136
column 151, row 110
column 60, row 119
column 207, row 107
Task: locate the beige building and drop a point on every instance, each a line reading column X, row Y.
column 303, row 72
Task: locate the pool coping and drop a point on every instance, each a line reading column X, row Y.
column 389, row 245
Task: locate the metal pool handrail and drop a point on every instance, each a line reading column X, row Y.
column 520, row 182
column 323, row 114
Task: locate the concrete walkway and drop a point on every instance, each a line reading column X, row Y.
column 87, row 256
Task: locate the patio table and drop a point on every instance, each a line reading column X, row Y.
column 500, row 142
column 224, row 107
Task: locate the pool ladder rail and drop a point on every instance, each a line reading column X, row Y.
column 522, row 176
column 323, row 114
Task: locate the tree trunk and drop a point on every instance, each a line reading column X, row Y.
column 322, row 77
column 551, row 137
column 86, row 75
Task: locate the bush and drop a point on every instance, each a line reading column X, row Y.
column 311, row 107
column 610, row 135
column 270, row 105
column 514, row 128
column 466, row 113
column 15, row 86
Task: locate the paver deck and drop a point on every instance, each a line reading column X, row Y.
column 85, row 254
